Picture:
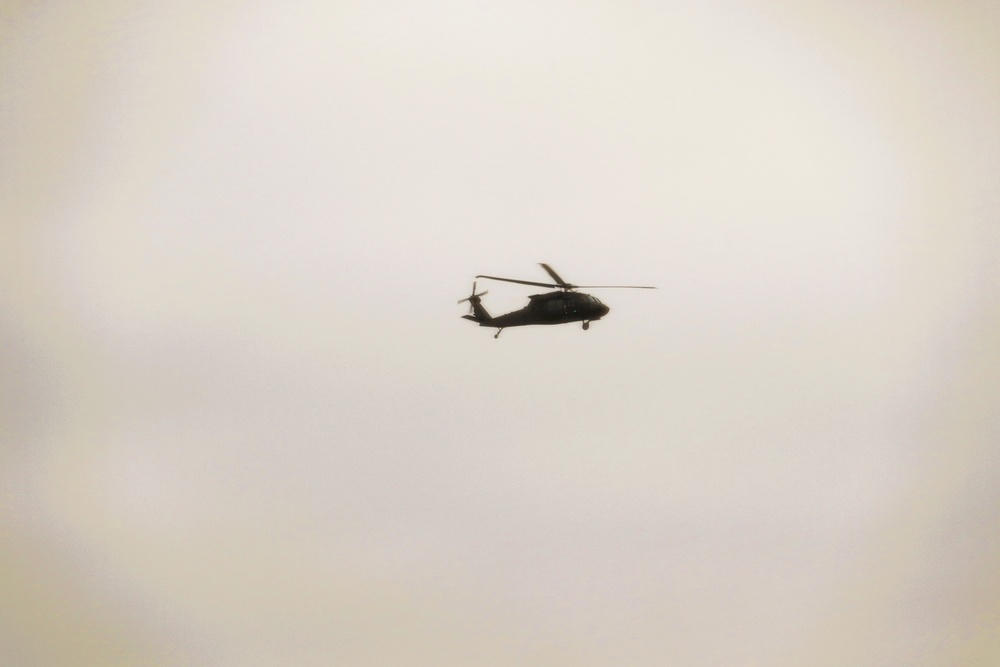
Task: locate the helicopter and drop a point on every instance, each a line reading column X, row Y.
column 560, row 307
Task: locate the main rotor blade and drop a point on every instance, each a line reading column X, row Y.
column 615, row 287
column 521, row 282
column 555, row 276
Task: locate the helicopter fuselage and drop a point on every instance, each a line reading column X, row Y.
column 550, row 308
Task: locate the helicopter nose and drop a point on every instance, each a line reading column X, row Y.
column 603, row 310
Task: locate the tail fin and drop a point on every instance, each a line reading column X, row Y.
column 477, row 312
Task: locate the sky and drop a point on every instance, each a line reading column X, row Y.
column 243, row 424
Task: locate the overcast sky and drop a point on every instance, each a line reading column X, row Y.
column 244, row 425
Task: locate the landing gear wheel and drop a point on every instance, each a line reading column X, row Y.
column 497, row 334
column 586, row 325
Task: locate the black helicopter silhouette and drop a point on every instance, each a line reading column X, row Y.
column 565, row 305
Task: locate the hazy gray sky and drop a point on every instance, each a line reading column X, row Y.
column 243, row 424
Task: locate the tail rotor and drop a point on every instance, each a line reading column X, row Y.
column 476, row 311
column 473, row 298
